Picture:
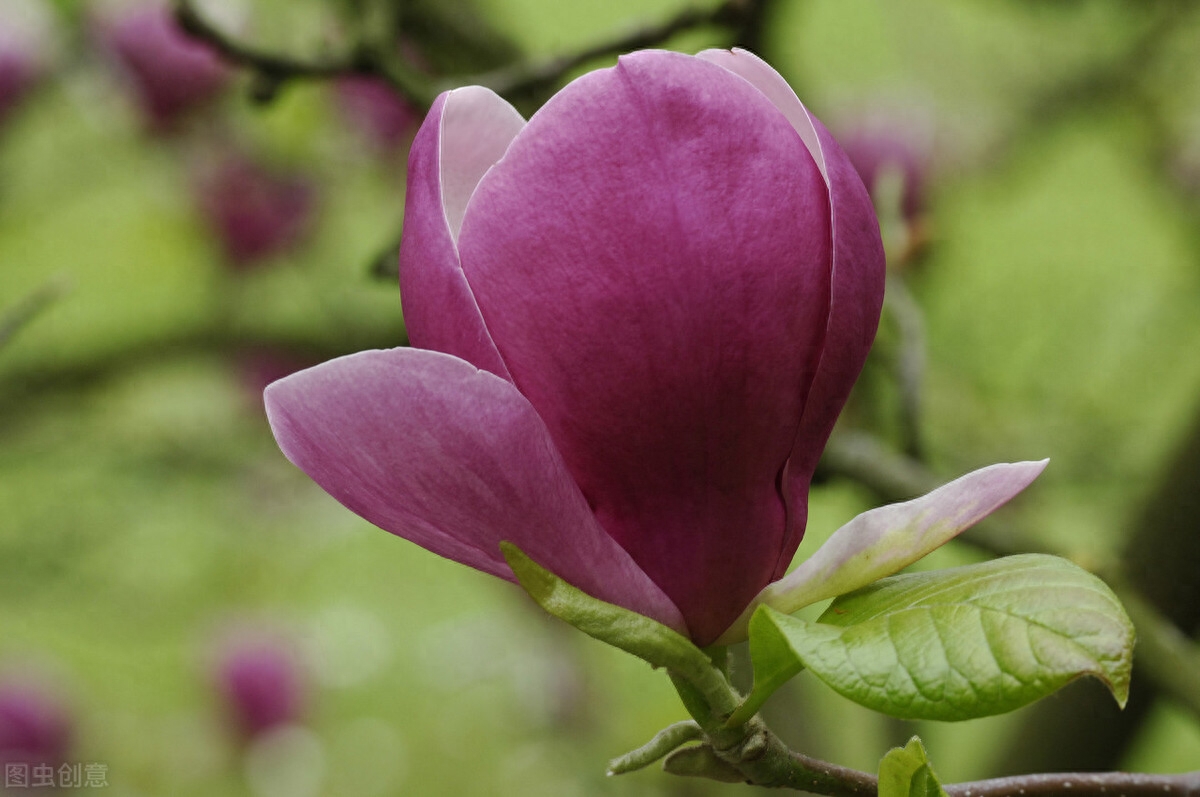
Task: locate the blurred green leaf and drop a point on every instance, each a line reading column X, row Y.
column 968, row 642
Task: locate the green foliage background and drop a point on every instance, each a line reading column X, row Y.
column 144, row 507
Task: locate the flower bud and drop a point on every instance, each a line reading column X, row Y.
column 35, row 727
column 370, row 105
column 26, row 44
column 261, row 685
column 169, row 73
column 256, row 212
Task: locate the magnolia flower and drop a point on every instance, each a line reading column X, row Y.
column 639, row 315
column 169, row 73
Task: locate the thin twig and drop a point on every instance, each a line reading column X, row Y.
column 821, row 777
column 755, row 753
column 276, row 68
column 524, row 78
column 1082, row 784
column 910, row 361
column 19, row 315
column 242, row 54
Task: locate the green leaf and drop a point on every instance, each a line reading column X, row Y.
column 968, row 642
column 906, row 772
column 774, row 664
column 633, row 633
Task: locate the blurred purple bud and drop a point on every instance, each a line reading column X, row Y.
column 259, row 366
column 891, row 147
column 16, row 76
column 35, row 728
column 254, row 211
column 25, row 46
column 372, row 106
column 170, row 73
column 261, row 684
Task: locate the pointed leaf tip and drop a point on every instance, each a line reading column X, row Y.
column 906, row 772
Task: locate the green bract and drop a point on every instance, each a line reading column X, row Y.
column 647, row 639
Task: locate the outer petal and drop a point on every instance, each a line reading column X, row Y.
column 467, row 130
column 427, row 447
column 856, row 291
column 652, row 259
column 885, row 540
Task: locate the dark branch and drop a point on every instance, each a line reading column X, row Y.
column 763, row 760
column 1082, row 784
column 527, row 78
column 241, row 54
column 274, row 69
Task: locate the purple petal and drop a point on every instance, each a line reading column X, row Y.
column 856, row 291
column 652, row 259
column 428, row 447
column 885, row 540
column 467, row 130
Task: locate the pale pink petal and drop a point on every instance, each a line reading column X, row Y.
column 467, row 130
column 651, row 257
column 885, row 540
column 428, row 447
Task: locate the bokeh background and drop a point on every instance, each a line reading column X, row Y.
column 182, row 607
